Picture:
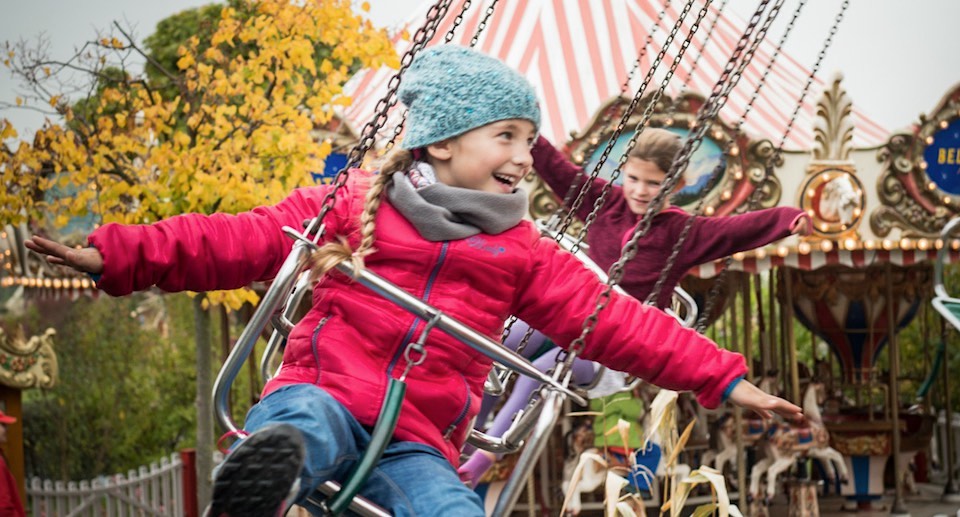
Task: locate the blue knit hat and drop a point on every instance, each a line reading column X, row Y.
column 450, row 90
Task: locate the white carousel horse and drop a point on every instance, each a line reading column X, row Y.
column 788, row 442
column 839, row 200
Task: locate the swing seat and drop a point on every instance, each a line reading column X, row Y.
column 946, row 305
column 289, row 286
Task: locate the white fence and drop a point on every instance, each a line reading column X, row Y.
column 152, row 490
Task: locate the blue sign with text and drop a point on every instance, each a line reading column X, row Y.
column 943, row 158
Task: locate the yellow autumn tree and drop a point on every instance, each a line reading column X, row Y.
column 232, row 128
column 238, row 133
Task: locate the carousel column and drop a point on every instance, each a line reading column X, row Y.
column 748, row 355
column 897, row 507
column 951, row 493
column 789, row 340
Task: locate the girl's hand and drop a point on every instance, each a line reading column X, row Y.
column 802, row 225
column 85, row 260
column 748, row 396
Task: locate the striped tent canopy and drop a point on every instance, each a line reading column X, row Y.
column 578, row 53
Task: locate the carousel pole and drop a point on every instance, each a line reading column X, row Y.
column 951, row 493
column 748, row 355
column 772, row 327
column 897, row 507
column 789, row 339
column 761, row 326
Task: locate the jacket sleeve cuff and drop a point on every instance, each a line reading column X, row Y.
column 729, row 390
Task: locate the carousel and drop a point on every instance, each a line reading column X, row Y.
column 819, row 318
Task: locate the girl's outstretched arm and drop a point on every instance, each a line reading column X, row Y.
column 85, row 260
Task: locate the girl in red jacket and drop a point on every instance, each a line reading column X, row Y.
column 443, row 221
column 710, row 238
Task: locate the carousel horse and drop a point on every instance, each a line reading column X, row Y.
column 788, row 442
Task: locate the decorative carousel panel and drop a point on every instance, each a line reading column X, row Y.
column 727, row 173
column 834, row 198
column 920, row 184
column 28, row 363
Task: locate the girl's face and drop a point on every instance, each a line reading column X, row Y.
column 641, row 183
column 492, row 158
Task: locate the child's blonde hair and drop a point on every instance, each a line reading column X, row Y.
column 333, row 253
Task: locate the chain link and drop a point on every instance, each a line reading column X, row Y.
column 707, row 112
column 456, row 21
column 483, row 23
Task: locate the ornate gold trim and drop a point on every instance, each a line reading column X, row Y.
column 910, row 200
column 28, row 363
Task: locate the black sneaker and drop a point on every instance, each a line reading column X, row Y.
column 257, row 478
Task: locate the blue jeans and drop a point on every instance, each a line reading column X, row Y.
column 410, row 478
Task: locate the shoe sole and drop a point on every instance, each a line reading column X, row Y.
column 256, row 477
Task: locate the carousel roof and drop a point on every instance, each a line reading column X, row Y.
column 578, row 54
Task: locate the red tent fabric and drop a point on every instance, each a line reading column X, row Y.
column 577, row 53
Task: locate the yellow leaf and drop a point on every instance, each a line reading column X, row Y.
column 365, row 7
column 19, row 101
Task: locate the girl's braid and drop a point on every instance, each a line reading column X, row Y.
column 333, row 253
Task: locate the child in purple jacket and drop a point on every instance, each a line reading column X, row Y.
column 710, row 238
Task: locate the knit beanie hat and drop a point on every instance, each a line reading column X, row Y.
column 450, row 90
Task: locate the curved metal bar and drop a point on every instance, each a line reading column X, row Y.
column 454, row 328
column 493, row 385
column 688, row 303
column 535, row 446
column 279, row 335
column 359, row 505
column 275, row 296
column 938, row 286
column 513, row 438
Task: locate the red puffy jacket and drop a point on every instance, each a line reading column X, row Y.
column 352, row 340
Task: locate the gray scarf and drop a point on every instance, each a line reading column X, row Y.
column 444, row 213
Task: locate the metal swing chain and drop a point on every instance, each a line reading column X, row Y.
column 606, row 122
column 457, row 21
column 369, row 132
column 707, row 112
column 718, row 169
column 623, row 123
column 706, row 39
column 483, row 23
column 638, row 129
column 728, row 261
column 568, row 218
column 559, row 217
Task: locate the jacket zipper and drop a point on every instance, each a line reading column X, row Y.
column 313, row 345
column 463, row 412
column 416, row 321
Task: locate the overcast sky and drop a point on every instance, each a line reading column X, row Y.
column 898, row 57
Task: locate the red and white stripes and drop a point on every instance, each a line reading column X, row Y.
column 577, row 53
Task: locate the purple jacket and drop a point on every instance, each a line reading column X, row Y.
column 710, row 238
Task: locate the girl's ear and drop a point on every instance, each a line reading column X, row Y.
column 441, row 151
